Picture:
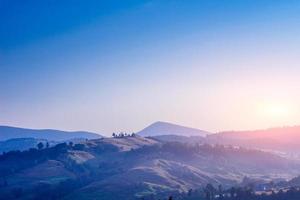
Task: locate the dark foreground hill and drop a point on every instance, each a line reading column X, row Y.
column 131, row 168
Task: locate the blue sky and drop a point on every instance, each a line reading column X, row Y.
column 109, row 66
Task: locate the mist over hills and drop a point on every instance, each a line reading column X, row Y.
column 281, row 139
column 133, row 167
column 285, row 134
column 172, row 159
column 285, row 139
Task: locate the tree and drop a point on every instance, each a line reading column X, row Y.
column 40, row 145
column 79, row 147
column 47, row 145
column 17, row 192
column 209, row 192
column 220, row 191
column 3, row 182
column 232, row 192
column 114, row 135
column 190, row 192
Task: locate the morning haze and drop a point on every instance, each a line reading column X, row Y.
column 149, row 100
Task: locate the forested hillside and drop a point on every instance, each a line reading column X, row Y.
column 132, row 167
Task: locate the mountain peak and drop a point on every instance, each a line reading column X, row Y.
column 167, row 128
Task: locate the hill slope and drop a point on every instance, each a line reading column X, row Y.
column 22, row 144
column 130, row 168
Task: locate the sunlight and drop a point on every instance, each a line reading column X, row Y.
column 276, row 110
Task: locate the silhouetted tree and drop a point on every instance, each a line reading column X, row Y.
column 210, row 192
column 17, row 192
column 78, row 147
column 190, row 192
column 220, row 191
column 40, row 145
column 232, row 192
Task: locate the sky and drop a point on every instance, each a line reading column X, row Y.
column 110, row 66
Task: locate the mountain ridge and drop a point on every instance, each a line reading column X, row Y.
column 10, row 132
column 167, row 128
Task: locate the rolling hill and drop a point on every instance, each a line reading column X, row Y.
column 131, row 168
column 22, row 144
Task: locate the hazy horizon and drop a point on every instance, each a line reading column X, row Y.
column 109, row 66
column 135, row 131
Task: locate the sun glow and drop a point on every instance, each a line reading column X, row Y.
column 276, row 110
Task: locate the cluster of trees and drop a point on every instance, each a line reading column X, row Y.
column 46, row 191
column 46, row 145
column 187, row 149
column 14, row 161
column 122, row 134
column 291, row 193
column 41, row 145
column 237, row 193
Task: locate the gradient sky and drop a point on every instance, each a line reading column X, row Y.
column 112, row 65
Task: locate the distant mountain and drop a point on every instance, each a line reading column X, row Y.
column 165, row 128
column 282, row 138
column 7, row 132
column 22, row 144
